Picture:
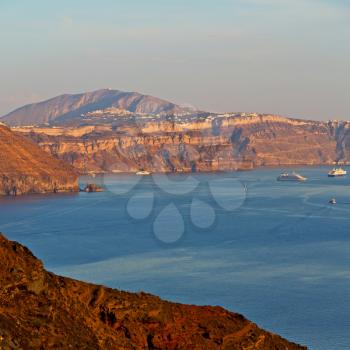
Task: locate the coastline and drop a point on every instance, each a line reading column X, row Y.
column 77, row 189
column 267, row 167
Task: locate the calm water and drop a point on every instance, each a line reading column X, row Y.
column 278, row 252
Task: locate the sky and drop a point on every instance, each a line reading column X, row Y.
column 289, row 57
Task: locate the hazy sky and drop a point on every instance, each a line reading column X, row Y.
column 279, row 56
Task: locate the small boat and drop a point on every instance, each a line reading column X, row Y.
column 337, row 172
column 143, row 172
column 332, row 201
column 291, row 177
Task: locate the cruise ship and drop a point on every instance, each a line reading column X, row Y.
column 337, row 172
column 291, row 177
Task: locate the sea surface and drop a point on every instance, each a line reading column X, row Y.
column 276, row 252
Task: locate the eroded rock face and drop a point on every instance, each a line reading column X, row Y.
column 209, row 144
column 26, row 168
column 39, row 310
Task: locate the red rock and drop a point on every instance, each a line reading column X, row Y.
column 26, row 168
column 39, row 310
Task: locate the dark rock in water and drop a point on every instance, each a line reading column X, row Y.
column 93, row 188
column 39, row 310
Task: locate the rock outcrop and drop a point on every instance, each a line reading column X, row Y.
column 26, row 168
column 39, row 310
column 90, row 188
column 209, row 143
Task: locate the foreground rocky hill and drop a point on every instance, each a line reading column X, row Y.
column 70, row 107
column 39, row 310
column 26, row 168
column 208, row 142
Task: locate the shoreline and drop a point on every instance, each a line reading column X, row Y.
column 39, row 193
column 99, row 174
column 267, row 167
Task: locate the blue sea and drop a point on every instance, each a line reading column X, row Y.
column 277, row 252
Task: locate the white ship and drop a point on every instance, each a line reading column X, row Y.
column 337, row 172
column 291, row 177
column 143, row 172
column 332, row 201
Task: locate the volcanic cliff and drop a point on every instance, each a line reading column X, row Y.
column 39, row 310
column 26, row 168
column 201, row 143
column 115, row 131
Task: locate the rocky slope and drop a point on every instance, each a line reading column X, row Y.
column 201, row 143
column 67, row 108
column 39, row 310
column 25, row 168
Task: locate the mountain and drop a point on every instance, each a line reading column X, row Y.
column 66, row 108
column 26, row 168
column 39, row 310
column 212, row 143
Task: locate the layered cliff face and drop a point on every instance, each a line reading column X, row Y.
column 26, row 168
column 210, row 143
column 39, row 310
